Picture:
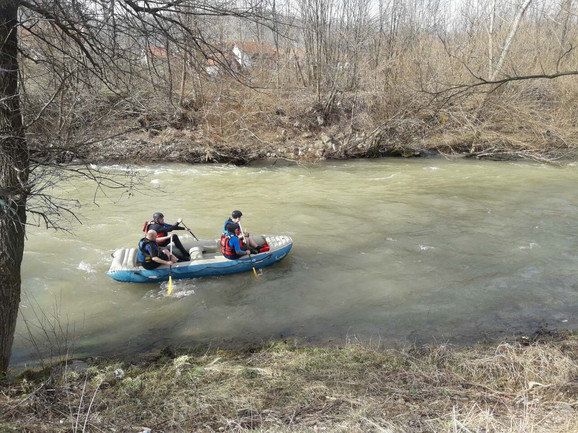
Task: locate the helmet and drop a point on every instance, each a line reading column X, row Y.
column 157, row 216
column 232, row 228
column 237, row 214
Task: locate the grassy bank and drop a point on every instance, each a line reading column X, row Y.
column 516, row 386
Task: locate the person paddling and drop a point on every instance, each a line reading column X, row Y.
column 235, row 218
column 163, row 229
column 232, row 247
column 150, row 255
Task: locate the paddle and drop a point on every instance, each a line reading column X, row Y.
column 248, row 246
column 186, row 228
column 171, row 269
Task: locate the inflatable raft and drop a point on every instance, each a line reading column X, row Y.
column 206, row 261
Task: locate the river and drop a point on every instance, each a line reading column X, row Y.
column 393, row 251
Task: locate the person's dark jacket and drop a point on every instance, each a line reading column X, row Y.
column 163, row 230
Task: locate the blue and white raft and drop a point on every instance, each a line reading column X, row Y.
column 206, row 261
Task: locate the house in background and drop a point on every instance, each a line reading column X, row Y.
column 237, row 56
column 232, row 56
column 212, row 68
column 154, row 53
column 216, row 65
column 251, row 53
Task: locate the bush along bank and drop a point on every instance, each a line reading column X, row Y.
column 187, row 147
column 304, row 132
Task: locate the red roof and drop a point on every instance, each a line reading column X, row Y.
column 158, row 52
column 256, row 48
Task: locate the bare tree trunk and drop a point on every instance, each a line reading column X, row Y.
column 491, row 39
column 14, row 169
column 277, row 47
column 510, row 38
column 566, row 11
column 299, row 68
column 183, row 79
column 169, row 71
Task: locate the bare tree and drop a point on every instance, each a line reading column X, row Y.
column 14, row 187
column 491, row 38
column 506, row 48
column 88, row 45
column 565, row 12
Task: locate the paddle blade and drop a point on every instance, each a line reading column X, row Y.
column 170, row 286
column 255, row 272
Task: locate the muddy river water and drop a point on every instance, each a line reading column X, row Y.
column 397, row 251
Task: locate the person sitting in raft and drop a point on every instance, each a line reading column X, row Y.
column 163, row 229
column 235, row 218
column 232, row 247
column 150, row 255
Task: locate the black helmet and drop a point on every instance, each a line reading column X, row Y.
column 157, row 216
column 232, row 228
column 237, row 214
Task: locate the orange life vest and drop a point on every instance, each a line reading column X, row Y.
column 226, row 249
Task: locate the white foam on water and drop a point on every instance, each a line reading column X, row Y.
column 530, row 246
column 182, row 293
column 391, row 176
column 86, row 267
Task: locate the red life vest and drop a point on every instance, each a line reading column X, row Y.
column 145, row 228
column 226, row 249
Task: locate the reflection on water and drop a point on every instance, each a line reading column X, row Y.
column 397, row 250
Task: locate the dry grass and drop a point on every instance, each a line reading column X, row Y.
column 284, row 387
column 528, row 120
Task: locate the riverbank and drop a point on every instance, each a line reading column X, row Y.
column 295, row 128
column 197, row 146
column 521, row 385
